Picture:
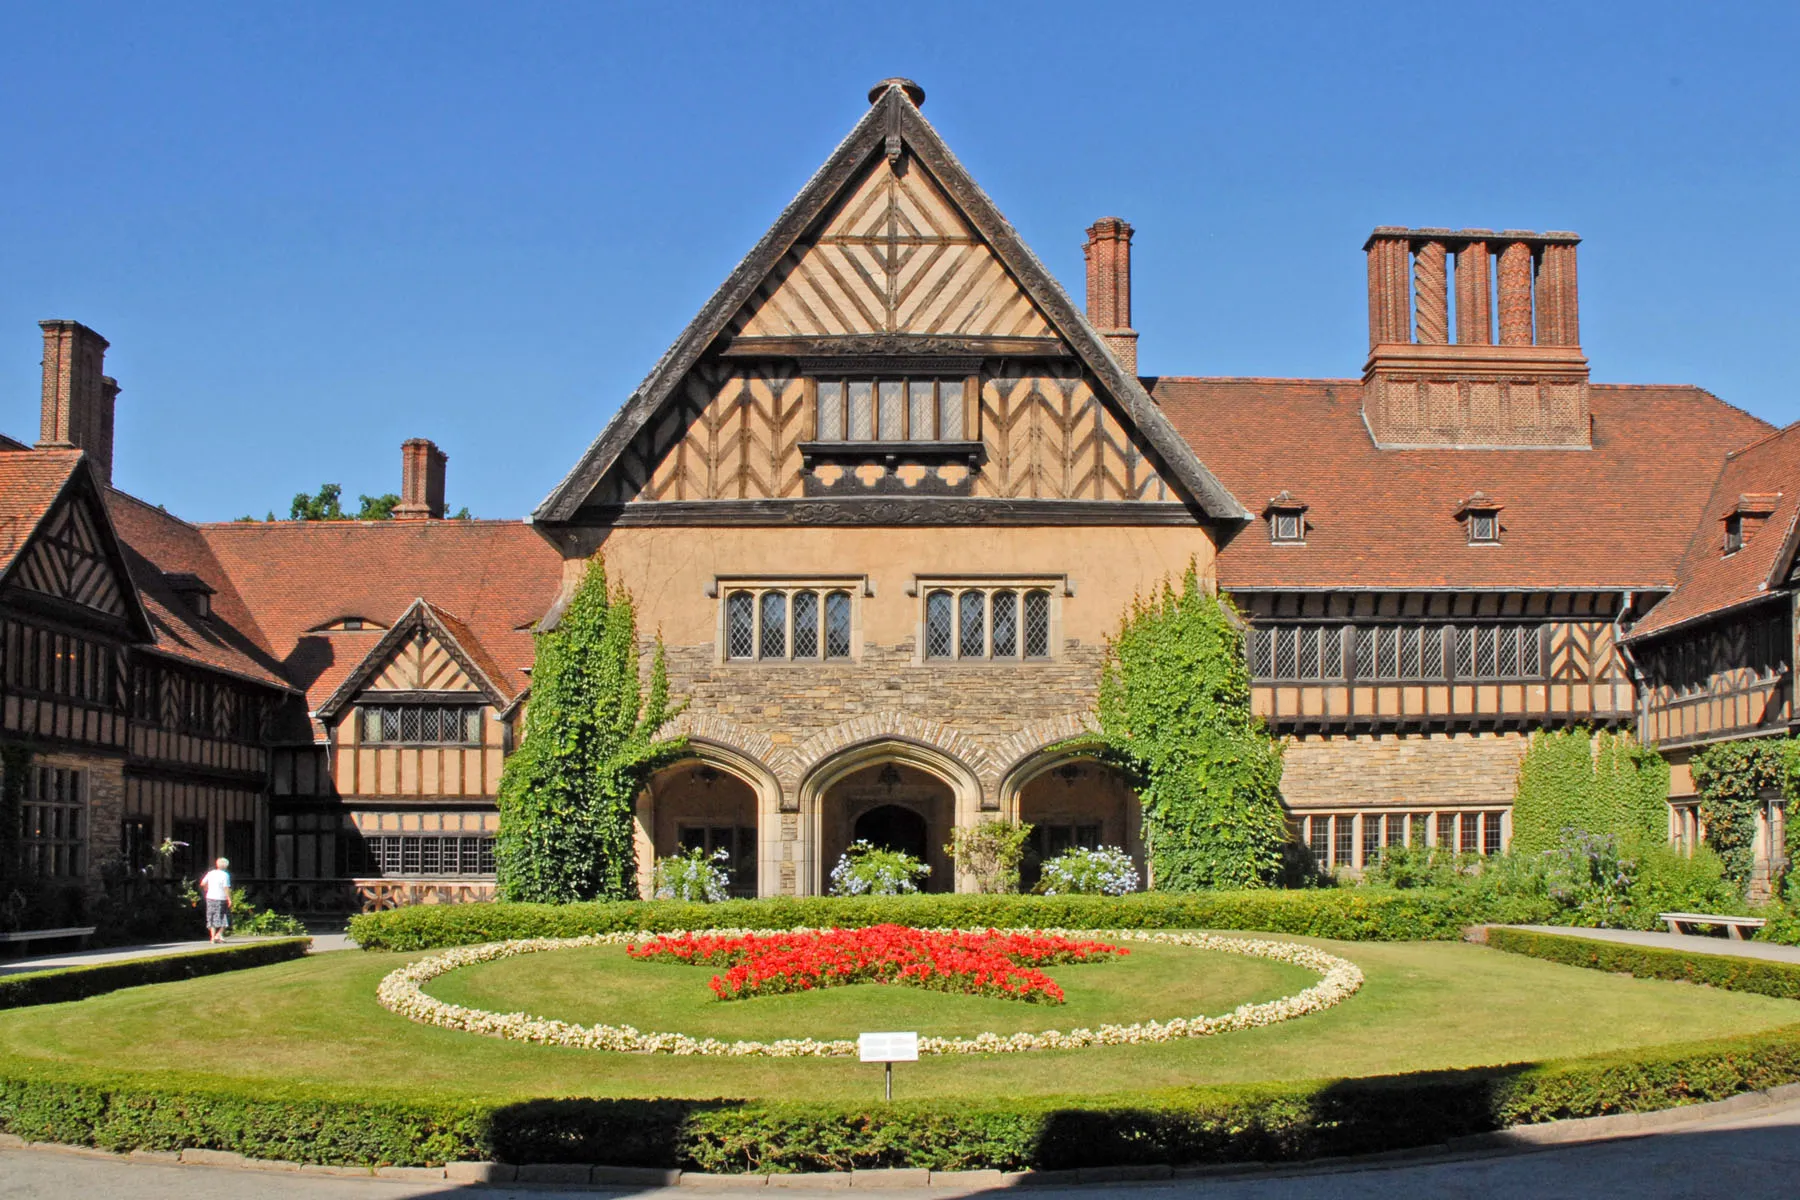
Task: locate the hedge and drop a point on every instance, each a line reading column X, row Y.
column 75, row 983
column 1347, row 914
column 1253, row 1122
column 1650, row 962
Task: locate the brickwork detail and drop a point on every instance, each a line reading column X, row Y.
column 1396, row 771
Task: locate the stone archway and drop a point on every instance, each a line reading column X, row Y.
column 892, row 789
column 1071, row 798
column 717, row 798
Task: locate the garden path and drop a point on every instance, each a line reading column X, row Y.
column 1750, row 1156
column 321, row 942
column 1697, row 943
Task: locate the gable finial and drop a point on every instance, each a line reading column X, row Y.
column 913, row 91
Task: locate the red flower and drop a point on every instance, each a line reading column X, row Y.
column 987, row 964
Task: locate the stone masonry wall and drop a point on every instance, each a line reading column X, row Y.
column 1402, row 771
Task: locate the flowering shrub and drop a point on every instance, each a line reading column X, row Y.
column 402, row 992
column 1107, row 871
column 1589, row 879
column 977, row 964
column 868, row 870
column 694, row 877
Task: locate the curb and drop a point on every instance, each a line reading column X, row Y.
column 1518, row 1139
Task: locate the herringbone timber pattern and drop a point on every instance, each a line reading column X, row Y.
column 894, row 255
column 1051, row 437
column 66, row 561
column 423, row 664
column 731, row 433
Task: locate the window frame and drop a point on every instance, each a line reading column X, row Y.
column 1277, row 516
column 727, row 589
column 1025, row 591
column 839, row 430
column 364, row 710
column 1474, row 519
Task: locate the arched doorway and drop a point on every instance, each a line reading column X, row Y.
column 895, row 805
column 697, row 805
column 1075, row 800
column 894, row 827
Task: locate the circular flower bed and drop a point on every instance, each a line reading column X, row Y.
column 402, row 992
column 987, row 963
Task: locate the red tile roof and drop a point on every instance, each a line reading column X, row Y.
column 497, row 577
column 30, row 482
column 157, row 545
column 1617, row 516
column 1709, row 580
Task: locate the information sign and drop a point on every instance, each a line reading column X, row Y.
column 889, row 1047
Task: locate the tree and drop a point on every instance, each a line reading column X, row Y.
column 377, row 508
column 590, row 746
column 323, row 507
column 1175, row 715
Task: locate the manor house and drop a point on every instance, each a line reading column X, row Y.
column 885, row 498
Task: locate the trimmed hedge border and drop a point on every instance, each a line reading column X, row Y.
column 1252, row 1122
column 76, row 983
column 1732, row 974
column 1343, row 914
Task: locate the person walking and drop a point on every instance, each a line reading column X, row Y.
column 215, row 885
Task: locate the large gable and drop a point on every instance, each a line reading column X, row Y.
column 891, row 262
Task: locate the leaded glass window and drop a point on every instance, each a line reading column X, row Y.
column 939, row 632
column 971, row 641
column 837, row 625
column 740, row 625
column 421, row 724
column 1037, row 624
column 806, row 624
column 773, row 638
column 1006, row 624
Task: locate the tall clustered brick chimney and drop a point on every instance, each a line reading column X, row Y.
column 78, row 396
column 1508, row 372
column 1108, row 253
column 421, row 481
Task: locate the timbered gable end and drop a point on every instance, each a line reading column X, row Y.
column 890, row 338
column 73, row 568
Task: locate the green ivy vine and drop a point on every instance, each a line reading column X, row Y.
column 1174, row 712
column 590, row 746
column 1730, row 779
column 1597, row 782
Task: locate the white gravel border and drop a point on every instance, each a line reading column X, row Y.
column 402, row 992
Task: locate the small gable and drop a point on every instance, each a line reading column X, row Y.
column 422, row 663
column 68, row 560
column 894, row 255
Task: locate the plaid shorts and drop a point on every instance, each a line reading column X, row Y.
column 217, row 917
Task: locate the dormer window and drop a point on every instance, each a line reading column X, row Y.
column 194, row 591
column 1480, row 516
column 1287, row 520
column 1747, row 516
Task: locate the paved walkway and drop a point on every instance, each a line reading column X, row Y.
column 322, row 942
column 1696, row 943
column 1748, row 1156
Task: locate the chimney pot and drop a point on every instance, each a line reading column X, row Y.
column 1108, row 254
column 421, row 481
column 78, row 396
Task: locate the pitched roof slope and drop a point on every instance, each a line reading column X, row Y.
column 157, row 545
column 1620, row 515
column 497, row 577
column 892, row 115
column 1709, row 580
column 30, row 482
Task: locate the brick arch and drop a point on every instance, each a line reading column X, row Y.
column 778, row 761
column 1034, row 739
column 896, row 726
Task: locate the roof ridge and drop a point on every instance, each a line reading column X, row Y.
column 1771, row 436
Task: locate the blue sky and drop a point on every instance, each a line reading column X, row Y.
column 311, row 231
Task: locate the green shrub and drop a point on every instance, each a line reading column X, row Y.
column 1598, row 783
column 1174, row 714
column 1667, row 880
column 695, row 877
column 1261, row 1122
column 1347, row 914
column 1729, row 778
column 990, row 853
column 1107, row 871
column 75, row 983
column 1725, row 971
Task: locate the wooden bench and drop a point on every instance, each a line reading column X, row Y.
column 1734, row 926
column 43, row 935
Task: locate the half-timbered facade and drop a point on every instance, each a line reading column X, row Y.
column 885, row 499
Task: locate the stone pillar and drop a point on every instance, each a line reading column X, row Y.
column 1515, row 294
column 1432, row 319
column 1474, row 302
column 1390, row 304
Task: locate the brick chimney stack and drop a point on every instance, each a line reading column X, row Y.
column 421, row 481
column 1507, row 372
column 1108, row 253
column 78, row 396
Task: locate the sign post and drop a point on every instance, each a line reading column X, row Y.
column 888, row 1049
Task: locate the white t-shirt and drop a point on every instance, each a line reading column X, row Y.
column 217, row 884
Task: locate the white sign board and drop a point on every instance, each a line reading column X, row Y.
column 888, row 1047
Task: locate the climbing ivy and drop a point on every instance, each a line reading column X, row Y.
column 590, row 746
column 1595, row 782
column 1729, row 778
column 1174, row 712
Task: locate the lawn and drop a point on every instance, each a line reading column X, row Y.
column 1425, row 1005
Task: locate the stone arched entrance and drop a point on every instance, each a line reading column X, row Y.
column 895, row 827
column 893, row 792
column 717, row 800
column 1072, row 799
